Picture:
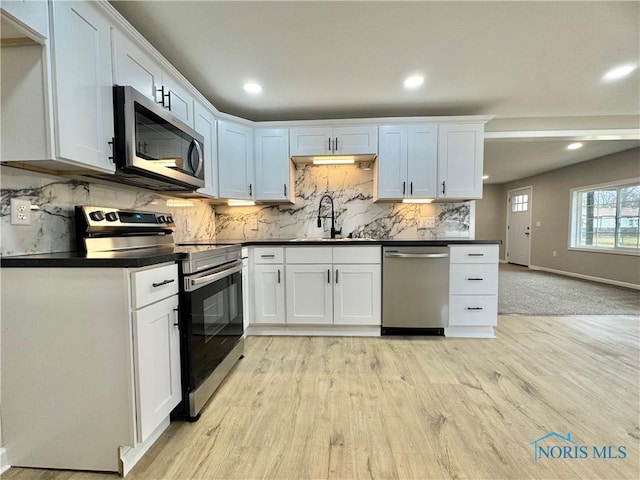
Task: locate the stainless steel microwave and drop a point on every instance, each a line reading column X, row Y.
column 152, row 148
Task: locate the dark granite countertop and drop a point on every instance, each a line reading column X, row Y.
column 129, row 259
column 146, row 257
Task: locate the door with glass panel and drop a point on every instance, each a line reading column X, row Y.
column 519, row 226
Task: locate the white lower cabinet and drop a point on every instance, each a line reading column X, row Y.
column 157, row 363
column 356, row 299
column 269, row 294
column 309, row 294
column 342, row 290
column 473, row 291
column 89, row 380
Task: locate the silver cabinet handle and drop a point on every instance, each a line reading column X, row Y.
column 177, row 323
column 267, row 256
column 475, row 279
column 336, row 145
column 251, row 190
column 410, row 188
column 443, row 187
column 164, row 282
column 278, row 275
column 285, row 189
column 336, row 276
column 328, row 276
column 329, row 143
column 475, row 308
column 475, row 254
column 404, row 187
column 415, row 255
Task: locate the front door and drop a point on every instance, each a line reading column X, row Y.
column 519, row 226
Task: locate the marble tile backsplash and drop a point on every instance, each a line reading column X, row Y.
column 52, row 226
column 53, row 223
column 355, row 212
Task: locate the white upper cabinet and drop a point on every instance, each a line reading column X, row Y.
column 205, row 125
column 83, row 106
column 136, row 68
column 347, row 140
column 460, row 160
column 407, row 161
column 173, row 96
column 133, row 67
column 235, row 161
column 274, row 169
column 31, row 14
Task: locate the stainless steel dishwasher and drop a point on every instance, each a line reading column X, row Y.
column 415, row 290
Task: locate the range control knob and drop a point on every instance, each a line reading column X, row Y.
column 169, row 219
column 97, row 216
column 161, row 219
column 112, row 216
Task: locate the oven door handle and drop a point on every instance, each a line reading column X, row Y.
column 214, row 277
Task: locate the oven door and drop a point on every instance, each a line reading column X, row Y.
column 212, row 322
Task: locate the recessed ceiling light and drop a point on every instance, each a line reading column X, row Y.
column 484, row 177
column 618, row 72
column 574, row 146
column 252, row 87
column 414, row 81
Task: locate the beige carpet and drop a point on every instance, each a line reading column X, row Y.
column 531, row 292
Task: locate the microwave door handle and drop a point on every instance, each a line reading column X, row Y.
column 200, row 158
column 196, row 145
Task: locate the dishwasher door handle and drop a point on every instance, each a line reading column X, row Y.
column 415, row 255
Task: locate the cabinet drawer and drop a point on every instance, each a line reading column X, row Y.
column 474, row 254
column 154, row 284
column 268, row 255
column 356, row 255
column 309, row 255
column 473, row 310
column 473, row 279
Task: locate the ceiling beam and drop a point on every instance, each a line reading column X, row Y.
column 584, row 135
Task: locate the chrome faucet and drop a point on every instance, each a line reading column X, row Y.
column 334, row 232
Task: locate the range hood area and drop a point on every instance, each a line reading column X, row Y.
column 361, row 160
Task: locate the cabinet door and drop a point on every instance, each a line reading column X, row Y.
column 273, row 165
column 460, row 160
column 235, row 160
column 357, row 294
column 309, row 294
column 269, row 294
column 422, row 160
column 157, row 363
column 177, row 99
column 392, row 163
column 311, row 141
column 83, row 99
column 33, row 14
column 133, row 67
column 205, row 125
column 355, row 140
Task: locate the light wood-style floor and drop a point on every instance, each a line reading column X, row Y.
column 412, row 408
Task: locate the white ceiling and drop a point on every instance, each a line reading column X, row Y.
column 534, row 65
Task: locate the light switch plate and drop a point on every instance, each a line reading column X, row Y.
column 254, row 224
column 427, row 222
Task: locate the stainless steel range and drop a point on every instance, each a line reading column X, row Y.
column 211, row 316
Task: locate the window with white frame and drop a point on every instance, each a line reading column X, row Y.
column 607, row 217
column 520, row 203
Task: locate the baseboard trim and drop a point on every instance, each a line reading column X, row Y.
column 587, row 277
column 4, row 461
column 315, row 330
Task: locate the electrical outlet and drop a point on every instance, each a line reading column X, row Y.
column 20, row 212
column 427, row 222
column 187, row 225
column 254, row 224
column 555, row 253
